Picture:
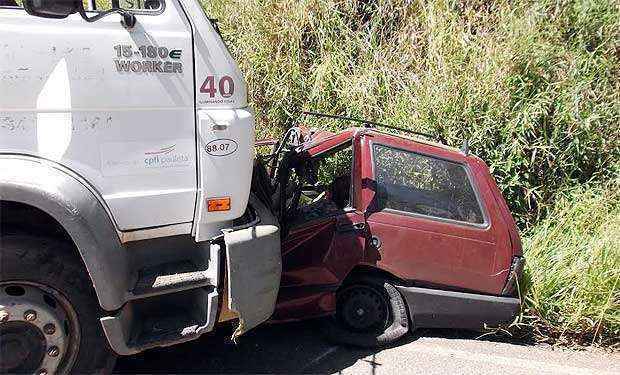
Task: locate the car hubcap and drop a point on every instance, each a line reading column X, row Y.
column 38, row 329
column 363, row 309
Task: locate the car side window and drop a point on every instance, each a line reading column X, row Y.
column 424, row 185
column 326, row 185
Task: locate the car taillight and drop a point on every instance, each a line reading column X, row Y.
column 516, row 270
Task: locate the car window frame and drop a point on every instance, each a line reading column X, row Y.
column 334, row 150
column 338, row 148
column 326, row 153
column 484, row 225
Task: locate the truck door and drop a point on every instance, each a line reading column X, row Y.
column 115, row 106
column 427, row 218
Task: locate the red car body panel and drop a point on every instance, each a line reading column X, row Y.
column 318, row 256
column 455, row 255
column 515, row 239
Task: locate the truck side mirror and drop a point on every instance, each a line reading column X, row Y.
column 52, row 8
column 64, row 8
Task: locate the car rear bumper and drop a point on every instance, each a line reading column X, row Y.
column 430, row 308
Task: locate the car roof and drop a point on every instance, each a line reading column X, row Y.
column 322, row 141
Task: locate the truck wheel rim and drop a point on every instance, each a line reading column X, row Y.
column 363, row 309
column 39, row 330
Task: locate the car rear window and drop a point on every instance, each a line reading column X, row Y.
column 424, row 185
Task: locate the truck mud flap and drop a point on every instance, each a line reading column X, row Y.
column 254, row 266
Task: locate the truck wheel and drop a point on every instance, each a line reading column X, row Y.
column 368, row 314
column 48, row 310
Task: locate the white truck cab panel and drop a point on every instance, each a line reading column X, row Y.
column 122, row 109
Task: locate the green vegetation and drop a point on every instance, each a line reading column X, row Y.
column 535, row 86
column 572, row 282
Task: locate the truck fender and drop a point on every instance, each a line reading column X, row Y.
column 64, row 196
column 254, row 266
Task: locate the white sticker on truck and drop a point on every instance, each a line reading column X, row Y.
column 131, row 158
column 221, row 147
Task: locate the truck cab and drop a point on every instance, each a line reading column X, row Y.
column 126, row 158
column 366, row 207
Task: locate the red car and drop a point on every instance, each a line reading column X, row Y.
column 388, row 234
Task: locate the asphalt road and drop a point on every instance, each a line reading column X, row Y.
column 300, row 348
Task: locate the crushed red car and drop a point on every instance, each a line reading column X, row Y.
column 388, row 234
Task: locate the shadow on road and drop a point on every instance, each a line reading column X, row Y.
column 282, row 348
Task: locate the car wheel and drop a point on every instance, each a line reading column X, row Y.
column 48, row 310
column 370, row 313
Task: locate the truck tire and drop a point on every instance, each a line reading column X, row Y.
column 48, row 310
column 369, row 313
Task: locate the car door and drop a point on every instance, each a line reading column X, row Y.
column 322, row 251
column 113, row 105
column 322, row 247
column 426, row 216
column 326, row 235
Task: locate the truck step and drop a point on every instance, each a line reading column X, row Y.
column 164, row 330
column 169, row 278
column 162, row 321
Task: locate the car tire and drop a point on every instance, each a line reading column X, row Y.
column 34, row 267
column 389, row 327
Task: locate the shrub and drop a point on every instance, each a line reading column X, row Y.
column 572, row 278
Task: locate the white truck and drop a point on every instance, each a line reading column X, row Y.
column 126, row 159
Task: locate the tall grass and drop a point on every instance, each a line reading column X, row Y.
column 533, row 84
column 572, row 281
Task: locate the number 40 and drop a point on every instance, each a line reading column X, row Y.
column 226, row 86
